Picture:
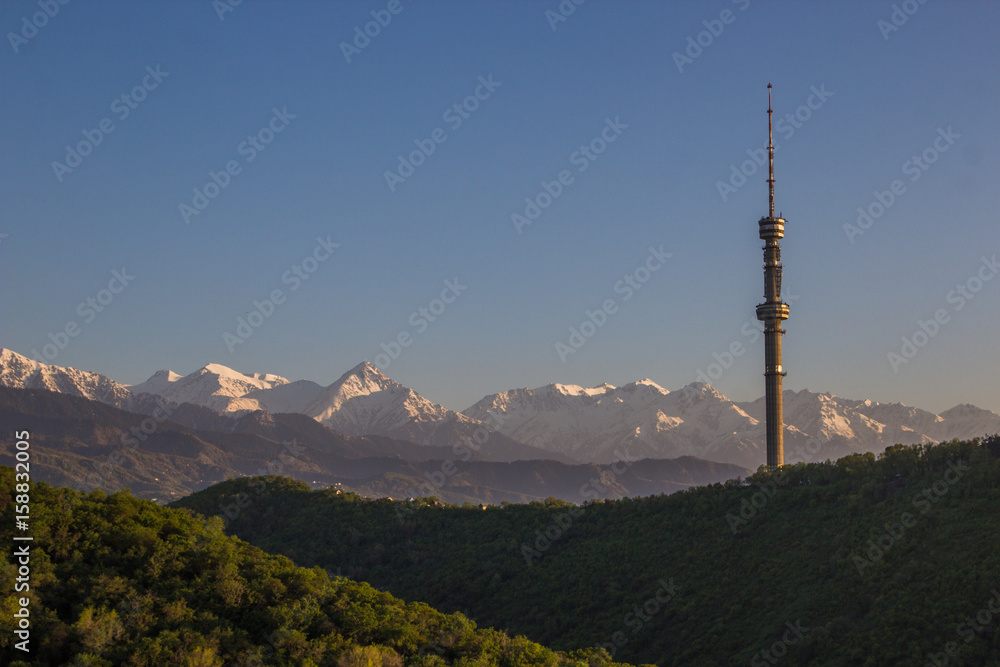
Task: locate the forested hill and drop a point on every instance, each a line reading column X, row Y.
column 119, row 581
column 866, row 561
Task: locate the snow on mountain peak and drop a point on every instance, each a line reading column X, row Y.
column 260, row 380
column 639, row 419
column 20, row 372
column 367, row 367
column 365, row 378
column 696, row 391
column 219, row 369
column 370, row 373
column 158, row 383
column 17, row 365
column 646, row 383
column 601, row 423
column 365, row 401
column 213, row 386
column 576, row 390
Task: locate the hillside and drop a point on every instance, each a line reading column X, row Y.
column 115, row 580
column 870, row 560
column 488, row 482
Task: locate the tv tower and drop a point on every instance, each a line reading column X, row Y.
column 772, row 312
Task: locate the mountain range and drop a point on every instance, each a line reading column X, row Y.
column 181, row 449
column 567, row 423
column 643, row 419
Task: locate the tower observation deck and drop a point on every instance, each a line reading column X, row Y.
column 772, row 312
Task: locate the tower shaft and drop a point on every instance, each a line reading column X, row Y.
column 772, row 312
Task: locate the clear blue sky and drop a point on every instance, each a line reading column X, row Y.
column 886, row 95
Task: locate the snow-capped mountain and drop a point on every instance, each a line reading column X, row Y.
column 637, row 420
column 565, row 422
column 362, row 402
column 222, row 389
column 865, row 425
column 963, row 419
column 872, row 426
column 365, row 401
column 644, row 420
column 20, row 372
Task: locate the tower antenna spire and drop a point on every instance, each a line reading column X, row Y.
column 770, row 156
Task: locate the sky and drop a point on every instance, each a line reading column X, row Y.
column 451, row 189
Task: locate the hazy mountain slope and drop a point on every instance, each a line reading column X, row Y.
column 962, row 419
column 523, row 481
column 87, row 444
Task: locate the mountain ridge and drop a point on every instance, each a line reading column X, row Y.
column 565, row 422
column 87, row 444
